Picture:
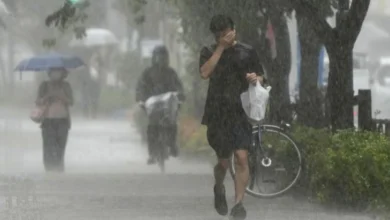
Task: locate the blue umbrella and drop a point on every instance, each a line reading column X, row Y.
column 49, row 61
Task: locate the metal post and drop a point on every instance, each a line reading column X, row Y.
column 387, row 128
column 11, row 52
column 365, row 116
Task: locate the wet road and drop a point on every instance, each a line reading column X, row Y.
column 107, row 179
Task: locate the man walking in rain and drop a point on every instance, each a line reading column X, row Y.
column 230, row 66
column 156, row 80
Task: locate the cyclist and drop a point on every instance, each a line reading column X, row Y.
column 230, row 66
column 155, row 80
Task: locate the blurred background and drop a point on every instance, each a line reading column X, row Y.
column 115, row 39
column 132, row 35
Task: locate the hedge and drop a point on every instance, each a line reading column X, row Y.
column 347, row 169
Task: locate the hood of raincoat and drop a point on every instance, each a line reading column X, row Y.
column 160, row 56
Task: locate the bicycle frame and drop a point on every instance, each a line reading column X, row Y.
column 162, row 111
column 259, row 151
column 256, row 144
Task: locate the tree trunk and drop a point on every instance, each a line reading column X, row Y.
column 340, row 86
column 339, row 43
column 310, row 112
column 280, row 70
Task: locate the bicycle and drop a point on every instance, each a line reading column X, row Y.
column 270, row 158
column 162, row 110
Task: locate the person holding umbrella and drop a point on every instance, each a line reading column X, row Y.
column 55, row 97
column 56, row 94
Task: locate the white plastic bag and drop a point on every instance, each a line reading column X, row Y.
column 163, row 107
column 254, row 101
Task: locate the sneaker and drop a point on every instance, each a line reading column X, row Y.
column 238, row 212
column 220, row 203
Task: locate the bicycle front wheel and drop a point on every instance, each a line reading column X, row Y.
column 275, row 163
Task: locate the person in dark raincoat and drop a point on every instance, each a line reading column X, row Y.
column 155, row 80
column 56, row 94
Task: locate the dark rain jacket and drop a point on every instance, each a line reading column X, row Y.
column 157, row 80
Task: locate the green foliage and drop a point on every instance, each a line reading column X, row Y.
column 133, row 9
column 363, row 164
column 192, row 136
column 313, row 144
column 349, row 168
column 30, row 19
column 71, row 14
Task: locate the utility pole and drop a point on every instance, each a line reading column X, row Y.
column 341, row 16
column 11, row 53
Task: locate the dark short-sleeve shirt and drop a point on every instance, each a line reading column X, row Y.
column 228, row 81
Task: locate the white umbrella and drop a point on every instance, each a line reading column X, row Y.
column 95, row 37
column 5, row 14
column 3, row 9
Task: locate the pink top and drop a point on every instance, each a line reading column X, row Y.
column 57, row 96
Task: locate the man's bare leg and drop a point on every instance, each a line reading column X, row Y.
column 242, row 174
column 220, row 170
column 240, row 182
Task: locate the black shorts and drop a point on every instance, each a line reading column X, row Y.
column 226, row 137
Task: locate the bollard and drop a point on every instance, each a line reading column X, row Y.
column 365, row 121
column 387, row 129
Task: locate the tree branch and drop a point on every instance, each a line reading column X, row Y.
column 319, row 23
column 350, row 27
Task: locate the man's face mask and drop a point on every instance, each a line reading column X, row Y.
column 55, row 75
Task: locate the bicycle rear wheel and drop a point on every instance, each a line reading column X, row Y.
column 275, row 163
column 160, row 149
column 161, row 163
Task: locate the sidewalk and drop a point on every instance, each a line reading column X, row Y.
column 97, row 146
